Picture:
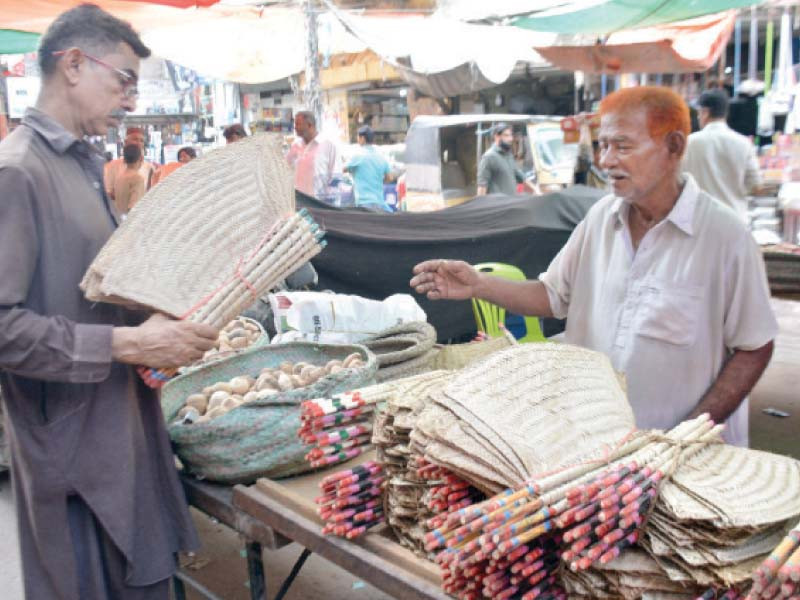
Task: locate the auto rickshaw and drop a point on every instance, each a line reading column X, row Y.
column 443, row 153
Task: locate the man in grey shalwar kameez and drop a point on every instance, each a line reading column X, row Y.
column 101, row 513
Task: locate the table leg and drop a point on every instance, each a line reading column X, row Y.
column 255, row 570
column 180, row 578
column 293, row 574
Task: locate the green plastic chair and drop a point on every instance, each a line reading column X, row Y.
column 489, row 316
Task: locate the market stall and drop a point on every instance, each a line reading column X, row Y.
column 485, row 469
column 775, row 218
column 566, row 461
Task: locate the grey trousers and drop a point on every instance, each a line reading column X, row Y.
column 101, row 566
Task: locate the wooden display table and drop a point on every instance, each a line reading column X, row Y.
column 288, row 508
column 274, row 513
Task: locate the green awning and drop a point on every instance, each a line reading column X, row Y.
column 17, row 42
column 600, row 18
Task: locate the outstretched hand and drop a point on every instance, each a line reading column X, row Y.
column 445, row 279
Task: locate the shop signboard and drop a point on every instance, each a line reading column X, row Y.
column 22, row 93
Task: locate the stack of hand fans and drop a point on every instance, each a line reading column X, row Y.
column 419, row 494
column 718, row 513
column 586, row 489
column 403, row 350
column 209, row 240
column 523, row 411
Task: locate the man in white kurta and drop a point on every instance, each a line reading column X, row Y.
column 722, row 161
column 659, row 276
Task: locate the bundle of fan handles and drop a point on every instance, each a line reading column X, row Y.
column 512, row 545
column 288, row 245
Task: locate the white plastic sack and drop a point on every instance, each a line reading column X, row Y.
column 338, row 318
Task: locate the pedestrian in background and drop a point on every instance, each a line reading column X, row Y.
column 129, row 186
column 234, row 133
column 369, row 170
column 185, row 155
column 315, row 159
column 498, row 172
column 723, row 162
column 114, row 168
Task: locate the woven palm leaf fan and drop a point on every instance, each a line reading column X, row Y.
column 735, row 487
column 209, row 239
column 542, row 406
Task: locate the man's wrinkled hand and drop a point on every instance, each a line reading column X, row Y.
column 446, row 280
column 162, row 342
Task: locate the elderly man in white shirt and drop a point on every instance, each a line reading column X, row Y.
column 315, row 160
column 659, row 276
column 723, row 162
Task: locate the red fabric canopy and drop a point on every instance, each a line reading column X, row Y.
column 179, row 3
column 681, row 47
column 36, row 15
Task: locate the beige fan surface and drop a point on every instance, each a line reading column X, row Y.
column 735, row 487
column 526, row 410
column 193, row 232
column 720, row 514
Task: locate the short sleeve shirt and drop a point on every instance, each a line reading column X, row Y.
column 498, row 172
column 669, row 314
column 369, row 169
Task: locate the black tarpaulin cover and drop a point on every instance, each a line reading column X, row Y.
column 372, row 254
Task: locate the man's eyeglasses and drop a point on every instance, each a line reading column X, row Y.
column 127, row 80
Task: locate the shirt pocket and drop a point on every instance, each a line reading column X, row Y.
column 670, row 312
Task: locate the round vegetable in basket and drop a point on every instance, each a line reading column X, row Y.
column 217, row 399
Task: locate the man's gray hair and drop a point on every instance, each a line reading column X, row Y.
column 308, row 117
column 89, row 28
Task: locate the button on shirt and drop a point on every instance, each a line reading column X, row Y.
column 724, row 164
column 670, row 313
column 314, row 165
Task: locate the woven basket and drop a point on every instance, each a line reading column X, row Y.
column 262, row 340
column 258, row 439
column 401, row 343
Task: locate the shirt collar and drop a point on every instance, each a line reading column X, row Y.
column 681, row 215
column 721, row 124
column 51, row 130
